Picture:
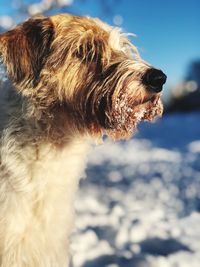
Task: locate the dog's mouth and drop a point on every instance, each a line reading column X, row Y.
column 153, row 99
column 128, row 112
column 153, row 108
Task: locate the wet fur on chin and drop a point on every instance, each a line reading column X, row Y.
column 71, row 79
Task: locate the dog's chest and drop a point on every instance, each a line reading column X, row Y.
column 58, row 169
column 54, row 180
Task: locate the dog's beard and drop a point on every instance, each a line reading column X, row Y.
column 128, row 109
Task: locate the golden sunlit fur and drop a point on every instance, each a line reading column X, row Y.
column 71, row 78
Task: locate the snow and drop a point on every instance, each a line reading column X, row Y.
column 140, row 204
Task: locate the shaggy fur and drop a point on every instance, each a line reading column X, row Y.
column 71, row 78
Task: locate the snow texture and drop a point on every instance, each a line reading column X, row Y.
column 140, row 203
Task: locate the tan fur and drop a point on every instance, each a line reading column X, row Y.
column 73, row 78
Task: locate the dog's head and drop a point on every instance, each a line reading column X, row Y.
column 85, row 68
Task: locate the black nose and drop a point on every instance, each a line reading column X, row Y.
column 154, row 79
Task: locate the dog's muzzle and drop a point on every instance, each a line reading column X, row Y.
column 154, row 79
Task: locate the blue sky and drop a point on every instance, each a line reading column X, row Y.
column 168, row 32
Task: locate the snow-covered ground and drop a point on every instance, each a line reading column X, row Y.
column 140, row 203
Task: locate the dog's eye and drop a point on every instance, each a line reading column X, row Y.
column 130, row 74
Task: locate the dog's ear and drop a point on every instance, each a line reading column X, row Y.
column 25, row 49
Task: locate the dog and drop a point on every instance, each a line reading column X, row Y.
column 71, row 80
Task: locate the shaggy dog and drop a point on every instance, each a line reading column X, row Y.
column 73, row 79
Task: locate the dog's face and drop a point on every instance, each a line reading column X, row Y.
column 86, row 68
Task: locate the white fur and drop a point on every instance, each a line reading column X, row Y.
column 37, row 189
